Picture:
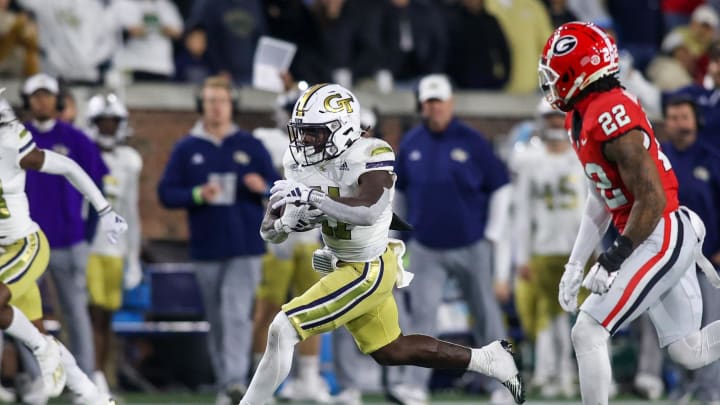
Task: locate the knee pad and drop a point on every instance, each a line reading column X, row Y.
column 588, row 335
column 281, row 333
column 688, row 351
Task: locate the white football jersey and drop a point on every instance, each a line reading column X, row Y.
column 120, row 187
column 15, row 221
column 276, row 142
column 339, row 177
column 550, row 192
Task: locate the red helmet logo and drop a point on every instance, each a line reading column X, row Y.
column 575, row 55
column 564, row 45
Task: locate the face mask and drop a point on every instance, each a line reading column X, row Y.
column 106, row 142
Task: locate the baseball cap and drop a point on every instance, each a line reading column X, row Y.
column 672, row 41
column 41, row 81
column 705, row 15
column 434, row 87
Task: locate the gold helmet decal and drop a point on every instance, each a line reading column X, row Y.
column 300, row 109
column 342, row 104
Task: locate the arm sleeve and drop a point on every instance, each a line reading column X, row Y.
column 132, row 211
column 360, row 215
column 173, row 190
column 594, row 224
column 268, row 231
column 55, row 163
column 170, row 17
column 498, row 213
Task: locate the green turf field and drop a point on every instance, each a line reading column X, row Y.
column 205, row 399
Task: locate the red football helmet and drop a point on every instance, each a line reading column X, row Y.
column 575, row 55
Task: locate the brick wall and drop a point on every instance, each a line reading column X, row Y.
column 156, row 131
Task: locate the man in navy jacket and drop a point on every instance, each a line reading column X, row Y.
column 697, row 167
column 219, row 174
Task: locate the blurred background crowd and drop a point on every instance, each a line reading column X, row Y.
column 184, row 303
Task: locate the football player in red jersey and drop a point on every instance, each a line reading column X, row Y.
column 651, row 265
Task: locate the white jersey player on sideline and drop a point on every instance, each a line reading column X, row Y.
column 24, row 254
column 111, row 266
column 548, row 192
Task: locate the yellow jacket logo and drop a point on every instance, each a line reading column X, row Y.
column 339, row 105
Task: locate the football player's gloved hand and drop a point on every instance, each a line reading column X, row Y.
column 293, row 193
column 112, row 224
column 570, row 286
column 281, row 187
column 602, row 274
column 298, row 218
column 598, row 279
column 133, row 273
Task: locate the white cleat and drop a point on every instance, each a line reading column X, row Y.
column 53, row 372
column 649, row 386
column 349, row 396
column 405, row 394
column 502, row 367
column 29, row 391
column 7, row 395
column 99, row 399
column 315, row 390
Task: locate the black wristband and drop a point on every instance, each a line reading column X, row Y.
column 616, row 254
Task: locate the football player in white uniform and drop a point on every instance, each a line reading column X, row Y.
column 110, row 267
column 287, row 269
column 346, row 182
column 548, row 210
column 24, row 255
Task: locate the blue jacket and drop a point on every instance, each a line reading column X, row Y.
column 447, row 180
column 698, row 172
column 218, row 232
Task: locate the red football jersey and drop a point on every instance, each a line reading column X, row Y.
column 604, row 116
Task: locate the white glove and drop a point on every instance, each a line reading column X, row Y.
column 294, row 193
column 570, row 286
column 113, row 225
column 133, row 273
column 598, row 279
column 281, row 187
column 299, row 218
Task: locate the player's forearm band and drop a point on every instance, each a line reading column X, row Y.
column 615, row 255
column 55, row 163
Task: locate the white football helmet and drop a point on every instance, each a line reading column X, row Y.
column 325, row 122
column 107, row 106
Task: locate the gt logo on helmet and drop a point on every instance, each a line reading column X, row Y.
column 564, row 45
column 342, row 104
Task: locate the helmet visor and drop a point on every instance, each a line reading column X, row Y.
column 312, row 143
column 548, row 79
